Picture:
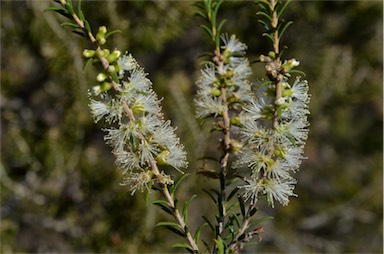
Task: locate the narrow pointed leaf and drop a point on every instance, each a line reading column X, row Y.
column 260, row 13
column 54, row 9
column 242, row 205
column 282, row 9
column 174, row 187
column 209, row 223
column 198, row 232
column 221, row 26
column 112, row 33
column 89, row 61
column 186, row 207
column 207, row 30
column 183, row 245
column 210, row 195
column 256, row 222
column 70, row 24
column 285, row 28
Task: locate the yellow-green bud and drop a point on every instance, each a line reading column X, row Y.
column 215, row 92
column 287, row 92
column 113, row 56
column 101, row 39
column 137, row 107
column 280, row 101
column 162, row 158
column 105, row 86
column 236, row 146
column 291, row 63
column 235, row 121
column 88, row 53
column 106, row 52
column 102, row 30
column 272, row 54
column 112, row 69
column 280, row 153
column 101, row 77
column 229, row 74
column 96, row 90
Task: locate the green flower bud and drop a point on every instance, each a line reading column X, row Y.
column 280, row 101
column 162, row 158
column 101, row 39
column 113, row 56
column 271, row 54
column 229, row 74
column 215, row 92
column 290, row 64
column 105, row 86
column 102, row 30
column 112, row 69
column 87, row 53
column 101, row 77
column 106, row 52
column 137, row 107
column 287, row 92
column 236, row 146
column 235, row 121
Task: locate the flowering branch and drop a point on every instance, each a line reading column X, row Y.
column 143, row 140
column 263, row 130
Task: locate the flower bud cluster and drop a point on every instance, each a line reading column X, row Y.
column 274, row 150
column 138, row 133
column 230, row 71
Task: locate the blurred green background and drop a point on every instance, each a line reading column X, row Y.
column 59, row 188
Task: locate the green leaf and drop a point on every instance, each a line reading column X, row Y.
column 70, row 24
column 221, row 26
column 269, row 36
column 201, row 14
column 285, row 28
column 163, row 205
column 167, row 223
column 263, row 14
column 183, row 245
column 69, row 7
column 256, row 222
column 250, row 244
column 112, row 33
column 210, row 195
column 65, row 14
column 220, row 244
column 89, row 61
column 54, row 9
column 206, row 29
column 265, row 25
column 198, row 232
column 174, row 187
column 115, row 77
column 81, row 33
column 282, row 9
column 297, row 72
column 79, row 11
column 242, row 205
column 237, row 219
column 186, row 207
column 87, row 26
column 252, row 212
column 209, row 223
column 174, row 227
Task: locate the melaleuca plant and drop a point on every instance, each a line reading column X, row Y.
column 262, row 124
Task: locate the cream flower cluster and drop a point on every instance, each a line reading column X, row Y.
column 231, row 71
column 274, row 152
column 143, row 138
